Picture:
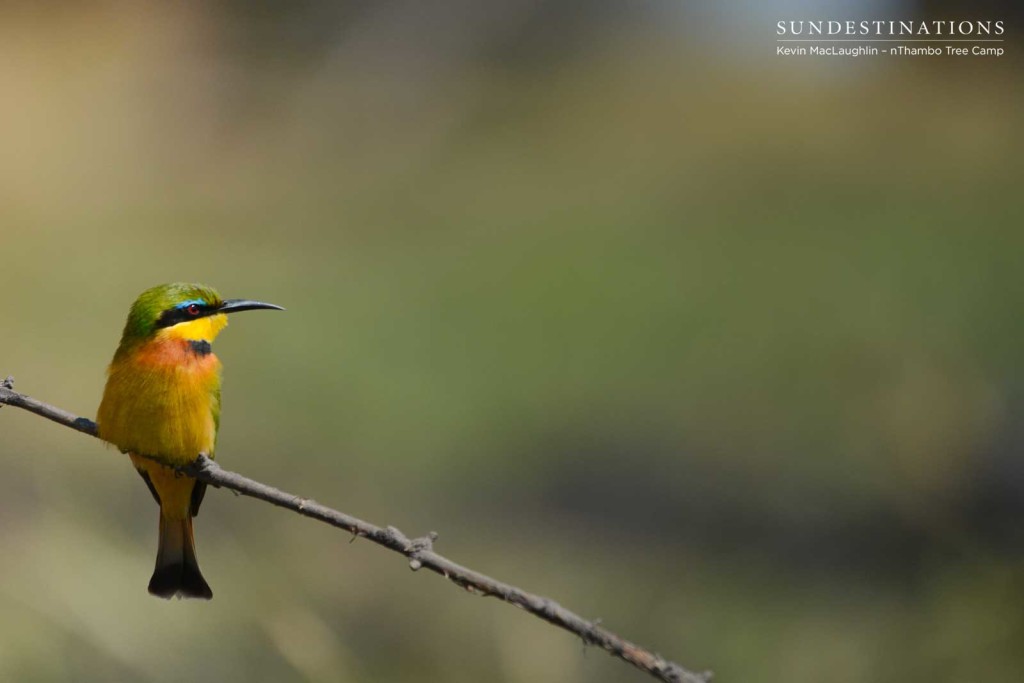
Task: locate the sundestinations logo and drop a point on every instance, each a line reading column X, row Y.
column 888, row 37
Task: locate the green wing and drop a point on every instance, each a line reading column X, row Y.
column 215, row 409
column 199, row 490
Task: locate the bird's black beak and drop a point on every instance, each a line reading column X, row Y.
column 236, row 305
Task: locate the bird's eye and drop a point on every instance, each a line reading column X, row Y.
column 193, row 309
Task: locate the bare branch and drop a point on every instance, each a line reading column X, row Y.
column 419, row 551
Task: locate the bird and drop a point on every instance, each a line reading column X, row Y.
column 161, row 406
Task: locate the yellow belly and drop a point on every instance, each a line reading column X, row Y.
column 162, row 402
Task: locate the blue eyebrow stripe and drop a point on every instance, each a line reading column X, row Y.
column 186, row 304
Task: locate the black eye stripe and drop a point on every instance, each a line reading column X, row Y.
column 173, row 316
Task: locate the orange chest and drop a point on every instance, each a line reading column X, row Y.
column 163, row 400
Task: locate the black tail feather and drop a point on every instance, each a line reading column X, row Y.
column 177, row 571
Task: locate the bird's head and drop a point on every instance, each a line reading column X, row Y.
column 182, row 311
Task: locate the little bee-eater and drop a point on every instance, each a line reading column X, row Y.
column 162, row 405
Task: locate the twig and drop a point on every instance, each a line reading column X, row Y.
column 419, row 551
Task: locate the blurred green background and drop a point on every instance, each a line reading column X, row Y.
column 720, row 347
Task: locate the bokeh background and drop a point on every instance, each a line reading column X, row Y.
column 720, row 347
